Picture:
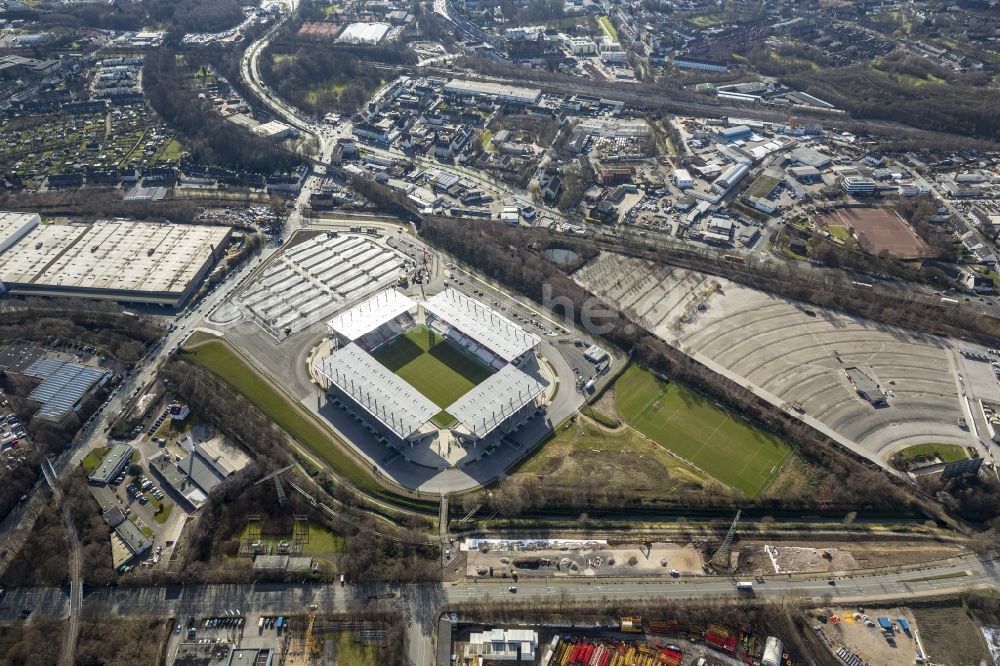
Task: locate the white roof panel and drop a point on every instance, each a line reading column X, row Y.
column 370, row 314
column 380, row 392
column 491, row 403
column 484, row 325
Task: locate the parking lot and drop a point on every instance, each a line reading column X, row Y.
column 797, row 353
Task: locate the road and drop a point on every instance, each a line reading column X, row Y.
column 424, row 602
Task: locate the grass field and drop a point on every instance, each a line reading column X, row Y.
column 607, row 27
column 351, row 652
column 621, row 459
column 698, row 430
column 435, row 366
column 946, row 452
column 839, row 232
column 93, row 458
column 216, row 357
column 322, row 540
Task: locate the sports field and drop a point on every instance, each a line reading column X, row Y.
column 696, row 429
column 433, row 365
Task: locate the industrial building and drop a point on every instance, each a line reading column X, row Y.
column 112, row 464
column 14, row 227
column 508, row 645
column 199, row 472
column 498, row 92
column 113, row 260
column 730, row 178
column 363, row 33
column 65, row 387
column 735, row 133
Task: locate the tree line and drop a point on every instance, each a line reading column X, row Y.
column 211, row 138
column 173, row 15
column 319, row 78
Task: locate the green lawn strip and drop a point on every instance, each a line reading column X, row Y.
column 216, row 357
column 728, row 448
column 607, row 27
column 161, row 510
column 944, row 576
column 839, row 232
column 946, row 452
column 435, row 366
column 321, row 541
column 93, row 459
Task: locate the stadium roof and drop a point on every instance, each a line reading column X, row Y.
column 370, row 314
column 380, row 392
column 491, row 403
column 63, row 385
column 484, row 325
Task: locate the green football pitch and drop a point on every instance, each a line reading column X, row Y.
column 697, row 429
column 434, row 365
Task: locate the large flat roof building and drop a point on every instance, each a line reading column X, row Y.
column 14, row 227
column 113, row 260
column 363, row 33
column 65, row 386
column 500, row 92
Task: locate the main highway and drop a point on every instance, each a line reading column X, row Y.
column 423, row 603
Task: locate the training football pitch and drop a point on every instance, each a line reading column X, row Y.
column 723, row 445
column 432, row 364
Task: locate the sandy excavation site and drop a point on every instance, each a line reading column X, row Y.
column 795, row 355
column 500, row 558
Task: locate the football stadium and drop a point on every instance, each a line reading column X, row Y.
column 448, row 365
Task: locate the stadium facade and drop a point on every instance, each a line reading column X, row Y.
column 395, row 411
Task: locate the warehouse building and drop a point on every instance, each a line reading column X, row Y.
column 14, row 227
column 116, row 260
column 730, row 178
column 112, row 464
column 498, row 92
column 65, row 387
